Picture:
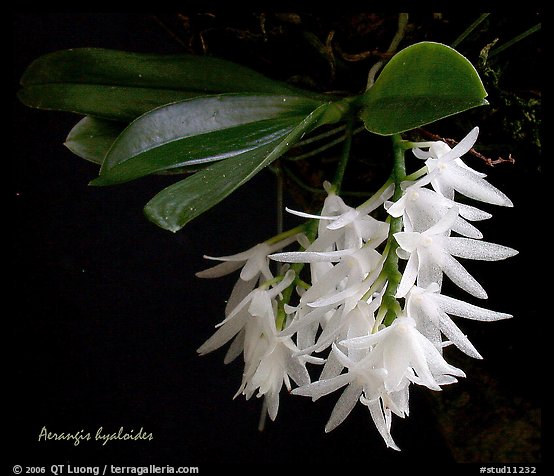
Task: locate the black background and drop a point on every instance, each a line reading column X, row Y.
column 106, row 313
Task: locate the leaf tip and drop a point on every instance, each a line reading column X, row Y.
column 160, row 221
column 99, row 182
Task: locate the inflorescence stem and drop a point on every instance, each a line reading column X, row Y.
column 390, row 267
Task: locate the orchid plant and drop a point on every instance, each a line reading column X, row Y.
column 352, row 298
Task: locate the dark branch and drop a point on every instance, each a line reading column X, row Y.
column 451, row 142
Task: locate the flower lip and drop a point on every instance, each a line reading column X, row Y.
column 413, row 195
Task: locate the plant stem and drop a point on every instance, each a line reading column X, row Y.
column 339, row 174
column 280, row 184
column 376, row 196
column 263, row 416
column 469, row 29
column 279, row 199
column 390, row 267
column 402, row 23
column 314, row 152
column 417, row 174
column 318, row 137
column 281, row 318
column 513, row 41
column 285, row 234
column 301, row 184
column 324, row 147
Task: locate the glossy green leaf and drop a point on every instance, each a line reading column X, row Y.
column 119, row 103
column 122, row 85
column 183, row 201
column 421, row 84
column 91, row 138
column 198, row 131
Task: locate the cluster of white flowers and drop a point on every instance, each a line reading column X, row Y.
column 372, row 330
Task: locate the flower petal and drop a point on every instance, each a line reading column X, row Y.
column 272, row 400
column 303, row 320
column 260, row 305
column 442, row 187
column 445, row 223
column 463, row 165
column 296, row 368
column 327, row 283
column 430, row 270
column 335, row 298
column 465, row 228
column 235, row 349
column 362, row 342
column 344, row 406
column 344, row 219
column 478, row 250
column 219, row 270
column 459, row 308
column 397, row 208
column 237, row 309
column 242, row 256
column 241, row 289
column 331, row 330
column 468, row 184
column 305, row 337
column 420, row 153
column 309, row 215
column 460, row 276
column 287, row 280
column 320, row 388
column 472, row 213
column 224, row 334
column 408, row 240
column 456, row 336
column 382, row 423
column 439, row 367
column 409, row 276
column 311, row 256
column 463, row 147
column 332, row 367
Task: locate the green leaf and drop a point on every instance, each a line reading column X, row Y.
column 183, row 201
column 91, row 138
column 121, row 85
column 119, row 103
column 199, row 131
column 421, row 84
